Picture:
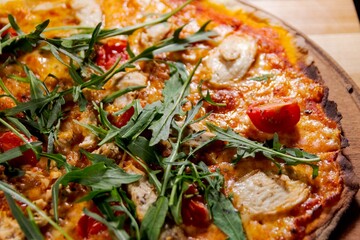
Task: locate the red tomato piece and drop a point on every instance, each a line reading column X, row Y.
column 9, row 140
column 110, row 52
column 275, row 117
column 195, row 213
column 10, row 31
column 122, row 120
column 88, row 226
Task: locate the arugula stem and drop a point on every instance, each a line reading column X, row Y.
column 174, row 187
column 179, row 139
column 7, row 189
column 265, row 149
column 152, row 177
column 17, row 134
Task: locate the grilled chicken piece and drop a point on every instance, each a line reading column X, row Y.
column 231, row 59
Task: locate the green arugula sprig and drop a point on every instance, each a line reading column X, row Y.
column 23, row 42
column 248, row 148
column 28, row 226
column 171, row 44
column 174, row 181
column 71, row 46
column 102, row 175
column 43, row 111
column 261, row 78
column 6, row 188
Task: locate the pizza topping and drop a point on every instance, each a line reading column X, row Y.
column 88, row 12
column 88, row 226
column 194, row 210
column 247, row 148
column 9, row 227
column 142, row 193
column 262, row 194
column 109, row 53
column 275, row 117
column 231, row 59
column 146, row 151
column 9, row 140
column 154, row 34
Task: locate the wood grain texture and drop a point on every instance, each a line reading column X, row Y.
column 344, row 49
column 314, row 16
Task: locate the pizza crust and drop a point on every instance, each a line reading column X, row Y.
column 328, row 220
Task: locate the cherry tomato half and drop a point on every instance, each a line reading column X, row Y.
column 122, row 119
column 108, row 53
column 10, row 31
column 9, row 140
column 194, row 211
column 88, row 226
column 275, row 117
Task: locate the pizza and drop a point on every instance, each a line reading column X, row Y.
column 163, row 120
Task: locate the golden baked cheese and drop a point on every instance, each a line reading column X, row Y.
column 140, row 119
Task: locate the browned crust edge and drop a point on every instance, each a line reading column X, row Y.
column 336, row 212
column 329, row 219
column 351, row 182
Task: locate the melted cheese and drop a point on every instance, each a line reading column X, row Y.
column 245, row 47
column 9, row 228
column 88, row 12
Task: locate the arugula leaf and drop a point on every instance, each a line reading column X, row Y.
column 18, row 151
column 154, row 219
column 122, row 207
column 22, row 42
column 140, row 147
column 139, row 122
column 208, row 98
column 29, row 227
column 60, row 161
column 248, row 148
column 225, row 215
column 175, row 91
column 19, row 197
column 97, row 158
column 121, row 92
column 172, row 44
column 261, row 78
column 99, row 177
column 151, row 174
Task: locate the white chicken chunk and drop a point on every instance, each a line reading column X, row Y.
column 154, row 34
column 142, row 193
column 130, row 79
column 231, row 59
column 88, row 12
column 201, row 139
column 261, row 194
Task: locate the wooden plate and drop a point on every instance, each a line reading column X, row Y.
column 346, row 94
